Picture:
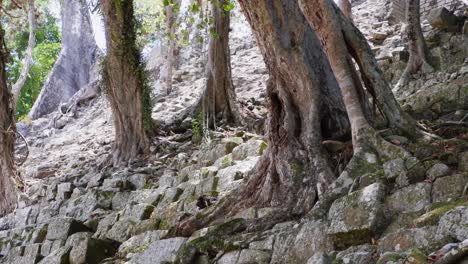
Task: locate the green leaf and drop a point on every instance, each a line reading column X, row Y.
column 229, row 6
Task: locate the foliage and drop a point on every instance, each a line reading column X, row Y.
column 48, row 44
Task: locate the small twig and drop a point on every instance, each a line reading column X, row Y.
column 27, row 147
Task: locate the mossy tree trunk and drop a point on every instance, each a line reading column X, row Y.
column 346, row 8
column 219, row 98
column 304, row 107
column 7, row 136
column 418, row 52
column 125, row 82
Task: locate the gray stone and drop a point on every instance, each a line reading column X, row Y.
column 282, row 245
column 141, row 240
column 404, row 239
column 357, row 217
column 249, row 256
column 229, row 258
column 89, row 250
column 231, row 177
column 413, row 198
column 463, row 162
column 120, row 199
column 357, row 255
column 122, row 230
column 64, row 191
column 59, row 256
column 320, row 258
column 61, row 228
column 449, row 188
column 394, row 168
column 138, row 212
column 138, row 180
column 311, row 238
column 253, row 147
column 83, row 207
column 438, row 170
column 159, row 252
column 443, row 19
column 454, row 224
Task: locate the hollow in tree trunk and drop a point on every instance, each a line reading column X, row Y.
column 126, row 88
column 304, row 106
column 219, row 98
column 418, row 52
column 7, row 137
column 27, row 61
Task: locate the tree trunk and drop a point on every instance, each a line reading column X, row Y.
column 219, row 97
column 325, row 24
column 345, row 7
column 304, row 105
column 171, row 18
column 124, row 79
column 27, row 61
column 342, row 36
column 79, row 53
column 418, row 52
column 7, row 137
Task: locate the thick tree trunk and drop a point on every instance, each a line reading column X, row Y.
column 219, row 98
column 345, row 34
column 171, row 18
column 419, row 54
column 27, row 61
column 7, row 137
column 325, row 24
column 126, row 88
column 79, row 53
column 302, row 93
column 345, row 7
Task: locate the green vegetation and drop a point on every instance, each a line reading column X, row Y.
column 48, row 44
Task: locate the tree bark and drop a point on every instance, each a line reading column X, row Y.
column 418, row 52
column 323, row 20
column 304, row 104
column 27, row 61
column 124, row 79
column 345, row 40
column 171, row 18
column 7, row 137
column 345, row 7
column 79, row 53
column 219, row 97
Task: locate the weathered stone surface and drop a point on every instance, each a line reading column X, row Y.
column 231, row 176
column 64, row 191
column 159, row 252
column 463, row 160
column 454, row 224
column 311, row 238
column 320, row 258
column 141, row 241
column 61, row 228
column 413, row 198
column 59, row 256
column 89, row 250
column 449, row 188
column 357, row 218
column 438, row 170
column 394, row 168
column 405, row 239
column 248, row 256
column 122, row 230
column 229, row 258
column 357, row 254
column 442, row 19
column 253, row 147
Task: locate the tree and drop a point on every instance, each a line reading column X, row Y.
column 345, row 7
column 418, row 52
column 27, row 61
column 219, row 97
column 172, row 10
column 7, row 136
column 125, row 83
column 79, row 54
column 305, row 106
